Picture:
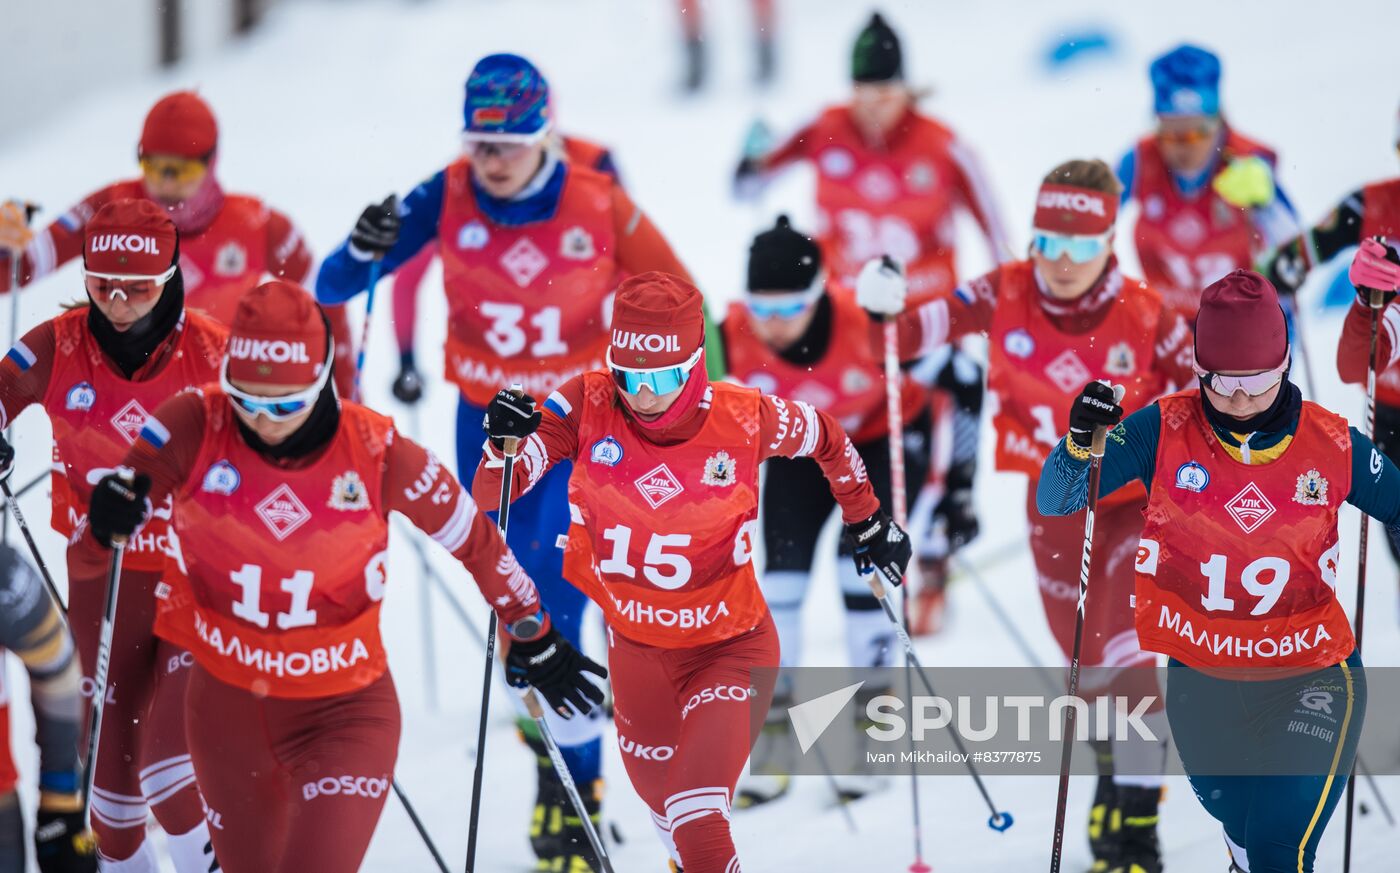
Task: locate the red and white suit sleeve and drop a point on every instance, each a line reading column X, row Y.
column 25, row 372
column 555, row 441
column 976, row 194
column 1352, row 351
column 794, row 429
column 1174, row 352
column 448, row 514
column 928, row 326
column 57, row 244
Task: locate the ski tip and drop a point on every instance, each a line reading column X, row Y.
column 1000, row 821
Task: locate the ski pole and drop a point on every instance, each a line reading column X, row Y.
column 1096, row 453
column 1377, row 301
column 1290, row 308
column 375, row 266
column 418, row 825
column 32, row 484
column 425, row 597
column 1000, row 819
column 509, row 445
column 894, row 413
column 104, row 660
column 13, row 504
column 15, row 275
column 556, row 757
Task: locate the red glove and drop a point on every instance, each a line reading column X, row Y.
column 1374, row 268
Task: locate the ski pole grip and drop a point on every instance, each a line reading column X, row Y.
column 876, row 586
column 532, row 704
column 128, row 478
column 1100, row 442
column 511, row 445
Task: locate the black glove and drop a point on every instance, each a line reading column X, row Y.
column 408, row 385
column 7, row 459
column 554, row 668
column 880, row 544
column 118, row 508
column 510, row 415
column 1095, row 407
column 378, row 228
column 62, row 844
column 959, row 518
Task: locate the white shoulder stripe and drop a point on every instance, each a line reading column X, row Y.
column 813, row 428
column 453, row 535
column 558, row 400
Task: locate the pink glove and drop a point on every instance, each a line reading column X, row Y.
column 1371, row 268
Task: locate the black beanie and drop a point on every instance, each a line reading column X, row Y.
column 877, row 57
column 782, row 259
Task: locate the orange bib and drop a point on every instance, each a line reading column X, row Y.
column 1237, row 566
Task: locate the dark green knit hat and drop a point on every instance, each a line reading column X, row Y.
column 876, row 56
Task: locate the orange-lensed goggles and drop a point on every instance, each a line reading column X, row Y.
column 105, row 287
column 1187, row 135
column 168, row 167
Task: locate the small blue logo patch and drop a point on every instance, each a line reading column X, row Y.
column 1192, row 476
column 606, row 451
column 1019, row 343
column 221, row 478
column 81, row 397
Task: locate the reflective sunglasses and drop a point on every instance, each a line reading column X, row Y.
column 784, row 306
column 1081, row 249
column 274, row 408
column 105, row 287
column 181, row 170
column 661, row 380
column 1253, row 384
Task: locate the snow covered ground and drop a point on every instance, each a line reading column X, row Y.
column 334, row 104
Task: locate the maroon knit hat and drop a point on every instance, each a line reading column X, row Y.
column 1240, row 325
column 658, row 321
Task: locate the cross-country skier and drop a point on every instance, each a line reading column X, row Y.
column 693, row 31
column 792, row 337
column 1237, row 570
column 1209, row 200
column 281, row 494
column 664, row 502
column 228, row 242
column 533, row 247
column 97, row 370
column 1368, row 212
column 408, row 278
column 33, row 629
column 891, row 180
column 1064, row 315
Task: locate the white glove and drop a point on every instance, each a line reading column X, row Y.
column 881, row 287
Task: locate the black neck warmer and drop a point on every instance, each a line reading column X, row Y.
column 318, row 429
column 130, row 349
column 812, row 345
column 1280, row 417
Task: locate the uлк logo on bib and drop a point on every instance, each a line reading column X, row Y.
column 1250, row 508
column 658, row 485
column 282, row 512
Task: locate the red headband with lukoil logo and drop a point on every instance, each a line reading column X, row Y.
column 1070, row 209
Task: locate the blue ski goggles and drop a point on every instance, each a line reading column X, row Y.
column 1080, row 249
column 662, row 380
column 278, row 408
column 784, row 306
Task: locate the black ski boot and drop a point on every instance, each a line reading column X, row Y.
column 1139, row 851
column 1104, row 821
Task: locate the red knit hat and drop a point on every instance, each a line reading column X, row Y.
column 1240, row 325
column 180, row 124
column 278, row 337
column 1071, row 209
column 658, row 321
column 129, row 238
